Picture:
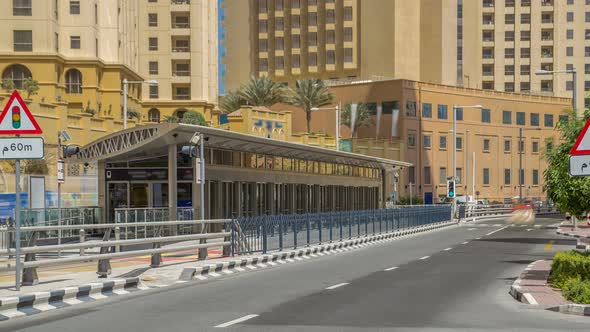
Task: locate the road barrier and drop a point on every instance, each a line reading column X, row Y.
column 474, row 212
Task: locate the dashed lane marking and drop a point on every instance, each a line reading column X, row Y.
column 497, row 230
column 390, row 268
column 465, row 242
column 447, row 249
column 336, row 286
column 423, row 258
column 236, row 321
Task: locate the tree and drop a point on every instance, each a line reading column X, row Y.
column 194, row 118
column 363, row 117
column 310, row 93
column 31, row 86
column 231, row 102
column 8, row 84
column 261, row 91
column 570, row 194
column 133, row 113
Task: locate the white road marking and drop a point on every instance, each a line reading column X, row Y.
column 390, row 268
column 478, row 238
column 497, row 230
column 471, row 229
column 530, row 299
column 337, row 285
column 214, row 274
column 529, row 229
column 497, row 225
column 236, row 321
column 447, row 249
column 465, row 242
column 425, row 257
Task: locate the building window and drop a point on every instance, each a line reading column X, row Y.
column 296, row 61
column 487, row 85
column 520, row 118
column 153, row 44
column 411, row 108
column 263, row 45
column 509, row 86
column 263, row 65
column 263, row 26
column 153, row 67
column 313, row 59
column 506, row 117
column 569, row 34
column 330, row 57
column 75, row 7
column 569, row 85
column 509, row 70
column 427, row 141
column 587, row 17
column 412, row 139
column 525, row 18
column 525, row 69
column 525, row 86
column 330, row 16
column 348, row 55
column 507, row 176
column 548, row 120
column 296, row 41
column 152, row 20
column 154, row 115
column 442, row 113
column 535, row 177
column 182, row 93
column 426, row 110
column 563, row 118
column 154, row 91
column 279, row 5
column 279, row 24
column 17, row 74
column 507, row 145
column 488, row 53
column 525, row 53
column 427, row 175
column 535, row 119
column 486, row 176
column 535, row 147
column 412, row 174
column 459, row 143
column 75, row 42
column 280, row 43
column 509, row 36
column 296, row 21
column 569, row 51
column 23, row 40
column 330, row 36
column 22, row 8
column 459, row 175
column 487, row 70
column 442, row 179
column 570, row 16
column 348, row 13
column 73, row 81
column 486, row 116
column 509, row 53
column 312, row 39
column 509, row 19
column 347, row 34
column 486, row 145
column 442, row 142
column 262, row 6
column 549, row 145
column 459, row 113
column 279, row 63
column 296, row 3
column 312, row 19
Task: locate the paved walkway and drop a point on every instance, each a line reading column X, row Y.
column 533, row 281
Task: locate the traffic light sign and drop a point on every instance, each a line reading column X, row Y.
column 15, row 117
column 451, row 188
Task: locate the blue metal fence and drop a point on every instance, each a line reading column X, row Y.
column 278, row 232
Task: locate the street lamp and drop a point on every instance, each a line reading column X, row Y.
column 125, row 84
column 520, row 151
column 569, row 71
column 337, row 109
column 466, row 133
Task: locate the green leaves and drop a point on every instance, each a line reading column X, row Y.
column 231, row 102
column 310, row 93
column 363, row 116
column 261, row 91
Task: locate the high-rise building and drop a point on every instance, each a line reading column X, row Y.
column 341, row 39
column 507, row 41
column 79, row 52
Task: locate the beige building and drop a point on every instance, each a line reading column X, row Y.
column 416, row 126
column 340, row 39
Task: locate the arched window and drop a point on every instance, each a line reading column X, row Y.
column 154, row 115
column 180, row 113
column 18, row 74
column 73, row 81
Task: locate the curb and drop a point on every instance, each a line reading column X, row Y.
column 573, row 309
column 577, row 236
column 517, row 292
column 579, row 245
column 291, row 256
column 34, row 303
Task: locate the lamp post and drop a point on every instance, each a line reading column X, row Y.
column 574, row 79
column 466, row 133
column 520, row 152
column 337, row 109
column 125, row 84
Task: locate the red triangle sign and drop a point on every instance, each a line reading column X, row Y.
column 582, row 145
column 16, row 118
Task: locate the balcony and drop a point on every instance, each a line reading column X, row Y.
column 181, row 92
column 181, row 71
column 180, row 5
column 488, row 4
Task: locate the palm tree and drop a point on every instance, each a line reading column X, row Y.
column 308, row 94
column 363, row 117
column 261, row 91
column 232, row 101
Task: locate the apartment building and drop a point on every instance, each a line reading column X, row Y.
column 81, row 51
column 340, row 40
column 507, row 41
column 414, row 120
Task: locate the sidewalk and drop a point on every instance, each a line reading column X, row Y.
column 532, row 286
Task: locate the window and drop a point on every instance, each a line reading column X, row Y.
column 535, row 119
column 509, row 19
column 330, row 57
column 459, row 114
column 569, row 85
column 75, row 42
column 509, row 36
column 17, row 74
column 182, row 93
column 153, row 66
column 525, row 53
column 312, row 39
column 412, row 174
column 487, row 85
column 389, row 106
column 509, row 3
column 549, row 120
column 520, row 118
column 459, row 175
column 296, row 4
column 563, row 118
column 426, row 110
column 459, row 143
column 487, row 70
column 154, row 115
column 509, row 53
column 330, row 36
column 279, row 63
column 279, row 23
column 75, row 7
column 442, row 179
column 587, row 17
column 570, row 2
column 153, row 91
column 509, row 70
column 262, row 6
column 279, row 5
column 549, row 145
column 570, row 16
column 521, row 177
column 263, row 65
column 525, row 36
column 521, row 146
column 312, row 19
column 153, row 44
column 296, row 41
column 348, row 13
column 507, row 145
column 488, row 35
column 507, row 176
column 411, row 108
column 525, row 86
column 486, row 116
column 535, row 147
column 263, row 45
column 330, row 16
column 509, row 86
column 525, row 18
column 525, row 69
column 263, row 26
column 506, row 117
column 296, row 21
column 486, row 176
column 569, row 51
column 412, row 139
column 73, row 81
column 280, row 43
column 348, row 55
column 535, row 177
column 569, row 34
column 23, row 40
column 313, row 59
column 152, row 20
column 427, row 175
column 488, row 53
column 296, row 61
column 442, row 112
column 486, row 145
column 347, row 34
column 427, row 141
column 22, row 8
column 442, row 142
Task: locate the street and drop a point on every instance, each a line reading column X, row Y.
column 453, row 279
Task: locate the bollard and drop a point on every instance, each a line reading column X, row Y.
column 30, row 276
column 104, row 265
column 82, row 239
column 203, row 251
column 117, row 238
column 156, row 260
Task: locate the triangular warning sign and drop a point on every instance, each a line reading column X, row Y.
column 17, row 119
column 582, row 145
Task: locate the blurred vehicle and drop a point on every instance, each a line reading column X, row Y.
column 522, row 214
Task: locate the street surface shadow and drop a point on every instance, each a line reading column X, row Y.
column 519, row 261
column 531, row 240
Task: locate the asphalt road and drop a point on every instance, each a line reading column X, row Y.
column 450, row 280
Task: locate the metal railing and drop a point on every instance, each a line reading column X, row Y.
column 133, row 216
column 278, row 232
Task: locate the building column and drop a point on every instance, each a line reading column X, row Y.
column 238, row 197
column 172, row 181
column 102, row 192
column 270, row 198
column 196, row 191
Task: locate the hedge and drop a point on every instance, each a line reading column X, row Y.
column 569, row 265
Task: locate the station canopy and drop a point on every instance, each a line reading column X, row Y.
column 152, row 141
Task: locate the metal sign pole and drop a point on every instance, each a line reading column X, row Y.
column 59, row 195
column 17, row 225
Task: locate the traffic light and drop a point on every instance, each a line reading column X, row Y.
column 15, row 117
column 451, row 188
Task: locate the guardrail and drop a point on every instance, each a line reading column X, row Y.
column 474, row 212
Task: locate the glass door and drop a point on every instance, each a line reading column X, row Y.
column 139, row 195
column 117, row 197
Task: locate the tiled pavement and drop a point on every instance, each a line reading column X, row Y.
column 533, row 281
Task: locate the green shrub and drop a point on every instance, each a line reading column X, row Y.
column 569, row 265
column 577, row 290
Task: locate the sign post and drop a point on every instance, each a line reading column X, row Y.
column 580, row 157
column 16, row 119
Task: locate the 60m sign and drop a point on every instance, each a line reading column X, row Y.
column 21, row 148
